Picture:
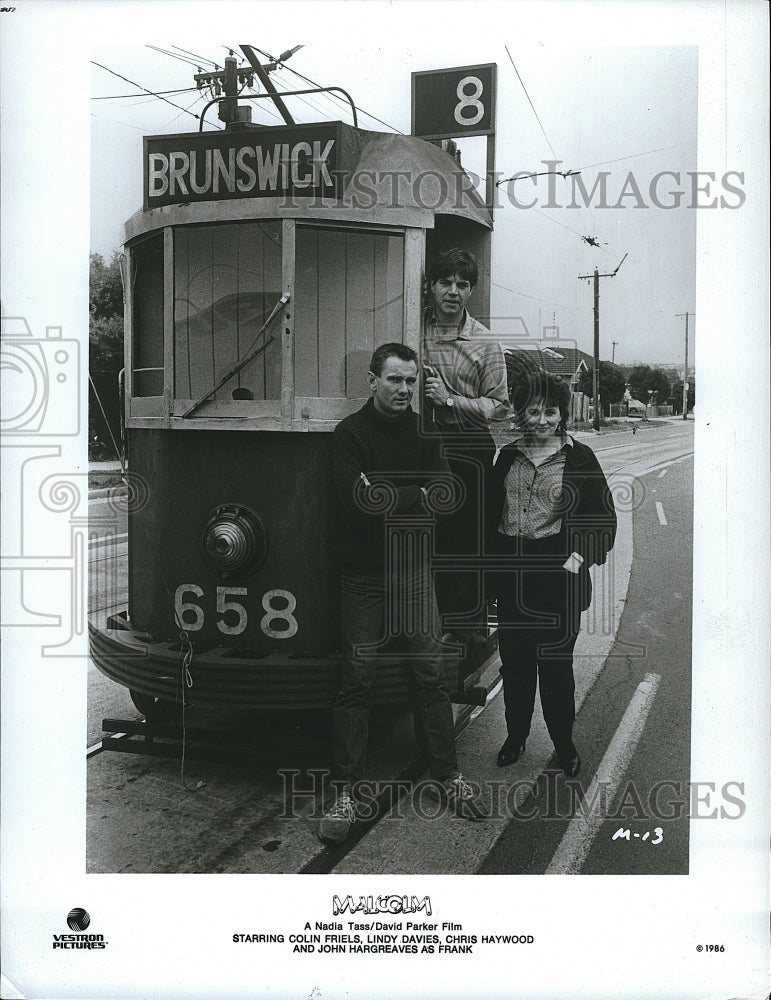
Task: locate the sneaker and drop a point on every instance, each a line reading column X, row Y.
column 461, row 795
column 337, row 823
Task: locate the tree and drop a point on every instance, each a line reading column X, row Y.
column 105, row 311
column 643, row 378
column 105, row 286
column 611, row 384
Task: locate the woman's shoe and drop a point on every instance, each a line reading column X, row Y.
column 510, row 753
column 572, row 765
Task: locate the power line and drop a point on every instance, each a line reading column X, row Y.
column 633, row 156
column 262, row 105
column 158, row 93
column 313, row 105
column 197, row 98
column 184, row 59
column 531, row 103
column 334, row 97
column 548, row 143
column 199, row 58
column 563, row 226
column 146, row 91
column 535, row 298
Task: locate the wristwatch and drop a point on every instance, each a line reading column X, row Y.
column 449, row 402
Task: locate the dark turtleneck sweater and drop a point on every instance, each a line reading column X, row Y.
column 396, row 459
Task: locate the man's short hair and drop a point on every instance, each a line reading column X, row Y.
column 386, row 351
column 540, row 385
column 455, row 261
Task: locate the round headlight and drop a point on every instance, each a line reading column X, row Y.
column 235, row 542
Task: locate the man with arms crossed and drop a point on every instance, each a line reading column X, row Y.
column 379, row 452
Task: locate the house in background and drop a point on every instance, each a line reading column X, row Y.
column 568, row 362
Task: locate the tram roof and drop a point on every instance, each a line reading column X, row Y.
column 385, row 178
column 434, row 180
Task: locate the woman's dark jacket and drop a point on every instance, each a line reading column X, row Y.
column 586, row 503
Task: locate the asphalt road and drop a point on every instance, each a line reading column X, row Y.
column 647, row 828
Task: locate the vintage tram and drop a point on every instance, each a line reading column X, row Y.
column 264, row 267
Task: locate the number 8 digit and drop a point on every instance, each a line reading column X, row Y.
column 279, row 614
column 469, row 101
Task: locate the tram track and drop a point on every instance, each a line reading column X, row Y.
column 327, row 857
column 331, row 855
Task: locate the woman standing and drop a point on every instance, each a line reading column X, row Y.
column 555, row 518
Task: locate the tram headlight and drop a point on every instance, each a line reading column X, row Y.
column 235, row 542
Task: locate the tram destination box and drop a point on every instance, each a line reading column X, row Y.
column 298, row 160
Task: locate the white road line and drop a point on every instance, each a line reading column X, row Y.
column 575, row 844
column 644, row 471
column 660, row 512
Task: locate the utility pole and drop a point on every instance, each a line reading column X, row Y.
column 227, row 82
column 685, row 369
column 596, row 373
column 613, row 358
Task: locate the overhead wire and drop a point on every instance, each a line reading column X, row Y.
column 561, row 224
column 633, row 156
column 158, row 93
column 184, row 59
column 308, row 101
column 540, row 123
column 262, row 105
column 198, row 97
column 146, row 91
column 200, row 59
column 300, row 98
column 524, row 88
column 332, row 96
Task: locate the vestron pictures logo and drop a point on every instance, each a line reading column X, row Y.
column 79, row 919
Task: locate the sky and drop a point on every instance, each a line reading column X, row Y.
column 620, row 109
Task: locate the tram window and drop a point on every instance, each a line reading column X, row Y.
column 227, row 280
column 349, row 298
column 147, row 317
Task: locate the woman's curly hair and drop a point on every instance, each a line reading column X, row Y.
column 538, row 385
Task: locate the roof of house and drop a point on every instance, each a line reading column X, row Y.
column 564, row 361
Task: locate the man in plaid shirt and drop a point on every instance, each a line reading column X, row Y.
column 465, row 388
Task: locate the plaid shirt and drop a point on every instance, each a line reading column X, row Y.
column 472, row 366
column 532, row 505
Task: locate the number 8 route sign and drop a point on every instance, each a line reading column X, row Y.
column 450, row 103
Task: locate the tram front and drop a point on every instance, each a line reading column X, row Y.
column 264, row 268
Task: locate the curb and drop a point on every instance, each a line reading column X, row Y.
column 107, row 491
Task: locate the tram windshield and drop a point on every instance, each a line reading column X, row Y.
column 210, row 337
column 227, row 280
column 349, row 299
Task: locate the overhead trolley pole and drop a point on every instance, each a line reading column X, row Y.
column 596, row 373
column 686, row 385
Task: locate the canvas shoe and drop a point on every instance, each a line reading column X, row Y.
column 336, row 824
column 461, row 795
